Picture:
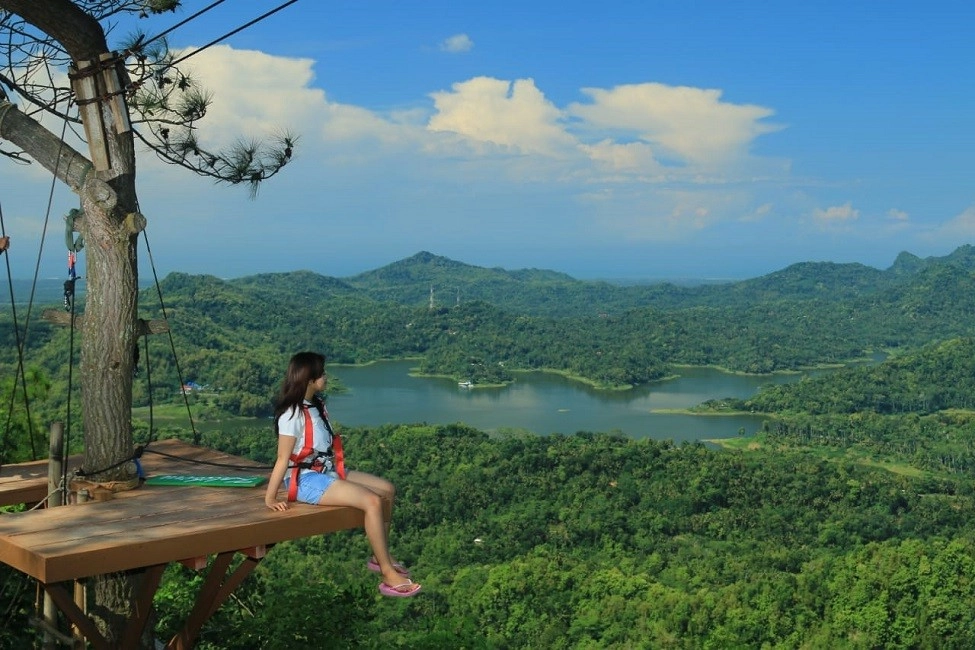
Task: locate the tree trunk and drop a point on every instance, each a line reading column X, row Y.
column 109, row 329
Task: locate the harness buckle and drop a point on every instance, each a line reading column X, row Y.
column 322, row 463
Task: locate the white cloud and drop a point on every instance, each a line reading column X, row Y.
column 514, row 115
column 758, row 214
column 837, row 214
column 660, row 214
column 484, row 150
column 955, row 231
column 898, row 215
column 457, row 43
column 692, row 125
column 254, row 94
column 623, row 157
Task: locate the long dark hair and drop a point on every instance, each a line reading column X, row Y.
column 303, row 368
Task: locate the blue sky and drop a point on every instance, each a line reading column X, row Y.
column 707, row 139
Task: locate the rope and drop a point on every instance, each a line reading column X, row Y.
column 152, row 426
column 58, row 490
column 210, row 462
column 67, row 415
column 13, row 308
column 172, row 345
column 22, row 342
column 134, row 459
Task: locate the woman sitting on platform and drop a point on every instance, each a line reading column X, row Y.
column 310, row 464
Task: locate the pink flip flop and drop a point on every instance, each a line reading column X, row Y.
column 396, row 592
column 373, row 566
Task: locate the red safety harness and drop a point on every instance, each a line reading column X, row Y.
column 299, row 460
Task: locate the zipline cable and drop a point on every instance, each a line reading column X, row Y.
column 222, row 38
column 180, row 23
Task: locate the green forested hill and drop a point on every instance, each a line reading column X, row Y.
column 934, row 378
column 536, row 292
column 234, row 335
column 917, row 410
column 527, row 291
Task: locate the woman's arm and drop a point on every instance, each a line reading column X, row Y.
column 286, row 445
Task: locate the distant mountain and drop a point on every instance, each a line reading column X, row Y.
column 813, row 280
column 425, row 276
column 410, row 282
column 416, row 280
column 962, row 257
column 800, row 316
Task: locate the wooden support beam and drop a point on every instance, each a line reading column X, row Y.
column 143, row 327
column 77, row 617
column 199, row 562
column 216, row 588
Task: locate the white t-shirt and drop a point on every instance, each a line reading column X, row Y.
column 292, row 423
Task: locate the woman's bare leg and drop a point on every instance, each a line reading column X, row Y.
column 383, row 488
column 348, row 493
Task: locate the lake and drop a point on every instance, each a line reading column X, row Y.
column 383, row 393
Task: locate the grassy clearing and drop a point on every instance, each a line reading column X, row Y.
column 753, row 443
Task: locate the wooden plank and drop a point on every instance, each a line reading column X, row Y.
column 164, row 544
column 113, row 89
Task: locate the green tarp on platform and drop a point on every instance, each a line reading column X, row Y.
column 206, row 481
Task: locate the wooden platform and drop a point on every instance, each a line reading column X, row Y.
column 152, row 526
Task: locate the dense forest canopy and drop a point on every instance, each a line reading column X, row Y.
column 593, row 540
column 846, row 522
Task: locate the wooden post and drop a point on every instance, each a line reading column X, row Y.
column 55, row 497
column 55, row 467
column 89, row 105
column 81, row 600
column 116, row 98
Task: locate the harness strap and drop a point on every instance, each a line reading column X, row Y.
column 306, row 449
column 297, row 460
column 336, row 445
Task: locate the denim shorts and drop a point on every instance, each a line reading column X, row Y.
column 312, row 485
